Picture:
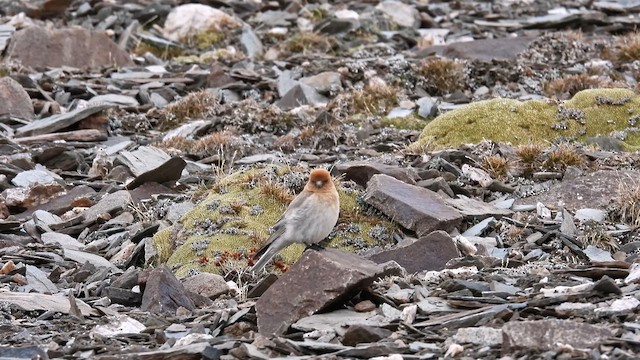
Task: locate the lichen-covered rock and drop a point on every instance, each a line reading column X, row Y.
column 223, row 230
column 589, row 113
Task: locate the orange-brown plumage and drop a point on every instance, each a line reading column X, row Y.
column 309, row 218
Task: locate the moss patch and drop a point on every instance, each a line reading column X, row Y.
column 587, row 114
column 411, row 122
column 226, row 228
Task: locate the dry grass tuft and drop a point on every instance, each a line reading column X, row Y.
column 443, row 75
column 213, row 143
column 595, row 236
column 276, row 191
column 496, row 166
column 310, row 42
column 176, row 144
column 628, row 48
column 529, row 156
column 627, row 204
column 568, row 86
column 562, row 157
column 195, row 105
column 375, row 98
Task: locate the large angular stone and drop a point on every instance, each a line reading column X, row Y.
column 14, row 100
column 109, row 204
column 206, row 284
column 413, row 207
column 484, row 49
column 319, row 279
column 546, row 334
column 430, row 252
column 592, row 190
column 164, row 294
column 361, row 172
column 58, row 121
column 38, row 47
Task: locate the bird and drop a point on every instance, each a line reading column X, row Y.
column 309, row 218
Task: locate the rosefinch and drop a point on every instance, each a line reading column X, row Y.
column 308, row 220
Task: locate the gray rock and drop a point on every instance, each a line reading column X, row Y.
column 399, row 113
column 335, row 274
column 575, row 309
column 483, row 336
column 361, row 172
column 64, row 240
column 479, row 228
column 402, row 14
column 472, row 208
column 114, row 99
column 568, row 227
column 333, row 320
column 109, row 204
column 485, row 49
column 150, row 164
column 626, row 305
column 251, row 42
column 82, row 257
column 39, row 281
column 164, row 294
column 300, row 94
column 14, row 100
column 122, row 296
column 430, row 252
column 206, row 284
column 596, row 215
column 546, row 334
column 597, row 255
column 40, row 175
column 592, row 190
column 57, row 122
column 437, row 184
column 37, row 47
column 358, row 334
column 413, row 207
column 176, row 211
column 324, row 82
column 427, row 107
column 26, row 352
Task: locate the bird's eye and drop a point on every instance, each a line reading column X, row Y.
column 319, row 183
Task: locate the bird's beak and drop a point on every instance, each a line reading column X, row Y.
column 319, row 183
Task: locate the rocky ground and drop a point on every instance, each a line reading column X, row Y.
column 483, row 152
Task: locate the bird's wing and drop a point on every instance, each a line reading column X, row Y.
column 280, row 226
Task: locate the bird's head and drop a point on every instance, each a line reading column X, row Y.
column 319, row 178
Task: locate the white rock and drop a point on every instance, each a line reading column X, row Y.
column 634, row 274
column 401, row 13
column 482, row 335
column 591, row 214
column 121, row 324
column 189, row 19
column 347, row 15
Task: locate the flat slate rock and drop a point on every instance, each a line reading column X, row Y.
column 592, row 190
column 430, row 252
column 413, row 207
column 484, row 49
column 164, row 294
column 472, row 208
column 35, row 301
column 38, row 47
column 335, row 274
column 57, row 122
column 361, row 172
column 15, row 100
column 546, row 334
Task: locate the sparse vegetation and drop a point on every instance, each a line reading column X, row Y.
column 626, row 206
column 196, row 104
column 570, row 85
column 164, row 53
column 562, row 157
column 309, row 42
column 410, row 122
column 375, row 98
column 496, row 166
column 628, row 48
column 442, row 76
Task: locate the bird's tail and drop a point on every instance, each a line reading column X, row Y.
column 264, row 259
